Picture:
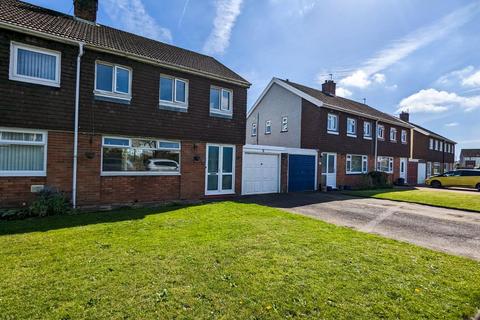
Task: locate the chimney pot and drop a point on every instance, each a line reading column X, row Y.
column 329, row 87
column 405, row 116
column 86, row 9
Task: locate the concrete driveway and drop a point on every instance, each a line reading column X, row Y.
column 452, row 231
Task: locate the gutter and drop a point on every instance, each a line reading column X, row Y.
column 139, row 58
column 75, row 135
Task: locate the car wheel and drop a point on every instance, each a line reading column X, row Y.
column 436, row 184
column 478, row 187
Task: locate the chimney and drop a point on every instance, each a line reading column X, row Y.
column 328, row 87
column 405, row 116
column 86, row 9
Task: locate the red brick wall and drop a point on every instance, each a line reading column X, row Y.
column 95, row 190
column 412, row 172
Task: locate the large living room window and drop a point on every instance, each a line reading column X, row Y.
column 23, row 152
column 140, row 156
column 385, row 164
column 356, row 164
column 113, row 81
column 34, row 65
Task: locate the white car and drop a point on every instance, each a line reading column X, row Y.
column 162, row 165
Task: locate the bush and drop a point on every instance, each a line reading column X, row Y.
column 49, row 203
column 375, row 180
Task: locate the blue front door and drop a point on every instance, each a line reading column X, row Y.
column 301, row 173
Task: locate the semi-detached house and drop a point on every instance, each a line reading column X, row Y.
column 110, row 117
column 351, row 138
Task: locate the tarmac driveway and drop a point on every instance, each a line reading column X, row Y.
column 452, row 231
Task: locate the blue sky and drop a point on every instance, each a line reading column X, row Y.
column 421, row 56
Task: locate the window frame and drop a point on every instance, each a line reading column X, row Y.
column 403, row 135
column 44, row 143
column 174, row 102
column 230, row 104
column 348, row 162
column 367, row 136
column 390, row 164
column 114, row 93
column 140, row 173
column 335, row 130
column 284, row 124
column 393, row 131
column 254, row 129
column 268, row 124
column 431, row 144
column 13, row 75
column 382, row 136
column 353, row 133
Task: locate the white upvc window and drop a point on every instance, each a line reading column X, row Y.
column 431, row 144
column 380, row 132
column 332, row 123
column 404, row 136
column 436, row 145
column 429, row 169
column 367, row 130
column 393, row 134
column 385, row 164
column 351, row 127
column 268, row 127
column 254, row 129
column 284, row 124
column 173, row 92
column 441, row 146
column 113, row 81
column 23, row 152
column 356, row 164
column 34, row 65
column 221, row 101
column 140, row 156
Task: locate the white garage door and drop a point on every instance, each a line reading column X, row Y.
column 260, row 173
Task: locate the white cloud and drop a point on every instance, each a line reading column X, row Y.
column 451, row 124
column 405, row 46
column 185, row 5
column 432, row 100
column 379, row 78
column 299, row 8
column 131, row 16
column 227, row 12
column 342, row 92
column 472, row 80
column 455, row 76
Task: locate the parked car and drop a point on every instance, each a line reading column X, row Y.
column 162, row 165
column 458, row 178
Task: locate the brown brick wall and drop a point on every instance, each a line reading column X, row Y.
column 95, row 190
column 421, row 150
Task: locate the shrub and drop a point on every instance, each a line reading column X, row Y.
column 375, row 180
column 49, row 203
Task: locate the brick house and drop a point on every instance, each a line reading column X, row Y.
column 110, row 117
column 430, row 154
column 470, row 158
column 351, row 138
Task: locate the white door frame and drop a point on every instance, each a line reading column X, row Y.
column 220, row 169
column 404, row 175
column 326, row 174
column 279, row 159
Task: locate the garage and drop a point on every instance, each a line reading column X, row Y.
column 261, row 173
column 301, row 172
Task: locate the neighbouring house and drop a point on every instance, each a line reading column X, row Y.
column 470, row 158
column 351, row 138
column 431, row 153
column 109, row 117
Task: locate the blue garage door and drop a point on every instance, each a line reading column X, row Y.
column 301, row 173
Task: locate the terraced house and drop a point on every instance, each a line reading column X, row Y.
column 351, row 138
column 110, row 117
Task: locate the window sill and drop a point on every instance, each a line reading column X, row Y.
column 173, row 107
column 283, row 131
column 381, row 139
column 225, row 115
column 138, row 173
column 112, row 98
column 367, row 138
column 216, row 193
column 23, row 174
column 35, row 81
column 351, row 135
column 404, row 142
column 393, row 141
column 354, row 173
column 333, row 132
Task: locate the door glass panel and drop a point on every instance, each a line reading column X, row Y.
column 212, row 183
column 331, row 163
column 324, row 163
column 213, row 158
column 227, row 159
column 227, row 182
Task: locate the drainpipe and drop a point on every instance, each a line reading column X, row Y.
column 75, row 135
column 376, row 146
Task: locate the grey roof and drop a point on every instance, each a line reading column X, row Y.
column 470, row 153
column 49, row 22
column 348, row 104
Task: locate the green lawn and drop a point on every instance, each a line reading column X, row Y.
column 432, row 197
column 223, row 261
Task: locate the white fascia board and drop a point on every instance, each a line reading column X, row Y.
column 254, row 148
column 433, row 135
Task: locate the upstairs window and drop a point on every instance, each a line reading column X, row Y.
column 441, row 145
column 351, row 127
column 436, row 145
column 34, row 65
column 173, row 92
column 367, row 129
column 23, row 153
column 113, row 81
column 254, row 129
column 268, row 127
column 393, row 134
column 332, row 123
column 404, row 136
column 380, row 132
column 431, row 144
column 284, row 124
column 221, row 101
